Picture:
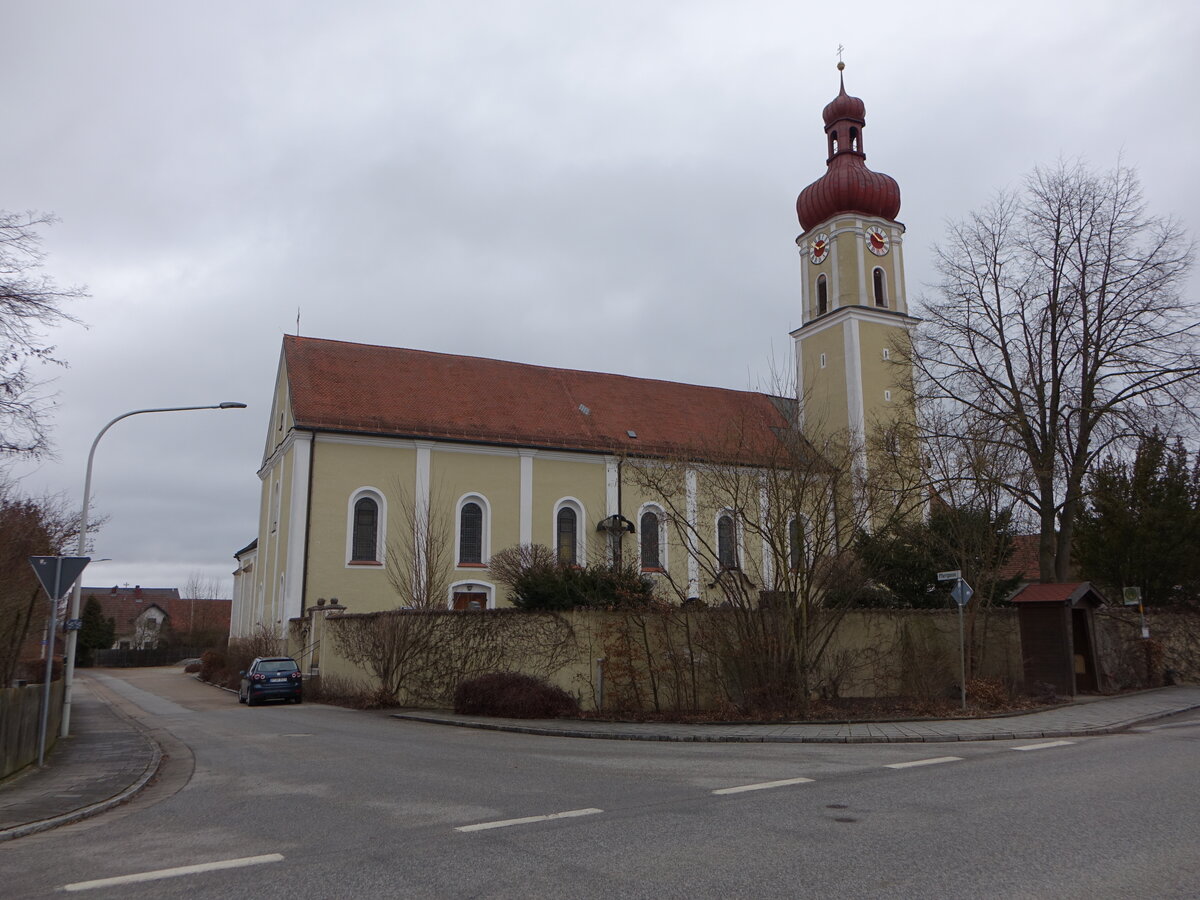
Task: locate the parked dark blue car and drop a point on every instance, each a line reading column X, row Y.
column 271, row 678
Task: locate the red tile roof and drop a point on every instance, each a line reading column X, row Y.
column 125, row 604
column 367, row 389
column 1023, row 563
column 1070, row 592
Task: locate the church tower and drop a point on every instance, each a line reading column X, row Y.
column 851, row 379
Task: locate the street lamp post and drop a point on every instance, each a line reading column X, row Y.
column 77, row 591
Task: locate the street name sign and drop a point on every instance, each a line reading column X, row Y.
column 950, row 576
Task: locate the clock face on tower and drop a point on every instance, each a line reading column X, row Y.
column 877, row 240
column 819, row 248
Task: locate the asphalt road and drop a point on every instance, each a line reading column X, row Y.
column 319, row 802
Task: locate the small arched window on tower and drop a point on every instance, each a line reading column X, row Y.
column 879, row 287
column 834, row 144
column 854, row 139
column 822, row 295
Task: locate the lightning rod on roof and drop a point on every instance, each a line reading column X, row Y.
column 297, row 321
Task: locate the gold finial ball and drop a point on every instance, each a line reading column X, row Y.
column 841, row 66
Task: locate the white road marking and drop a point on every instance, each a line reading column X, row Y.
column 569, row 814
column 173, row 873
column 763, row 785
column 924, row 762
column 1044, row 745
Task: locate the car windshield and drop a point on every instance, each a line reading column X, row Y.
column 277, row 665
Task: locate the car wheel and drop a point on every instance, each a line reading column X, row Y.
column 299, row 698
column 241, row 696
column 251, row 700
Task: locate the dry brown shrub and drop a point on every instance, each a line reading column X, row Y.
column 988, row 693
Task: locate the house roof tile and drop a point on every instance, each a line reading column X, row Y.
column 368, row 389
column 125, row 604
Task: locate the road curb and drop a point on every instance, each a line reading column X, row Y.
column 579, row 733
column 95, row 809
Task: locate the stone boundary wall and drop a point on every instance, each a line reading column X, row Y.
column 1171, row 654
column 630, row 661
column 20, row 716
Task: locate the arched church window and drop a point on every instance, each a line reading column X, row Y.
column 822, row 295
column 470, row 534
column 880, row 291
column 795, row 544
column 854, row 139
column 727, row 542
column 568, row 551
column 650, row 541
column 835, row 142
column 366, row 527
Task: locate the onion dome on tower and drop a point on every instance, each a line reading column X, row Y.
column 848, row 186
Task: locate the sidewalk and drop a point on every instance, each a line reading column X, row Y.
column 1086, row 716
column 104, row 763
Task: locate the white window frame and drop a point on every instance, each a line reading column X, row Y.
column 580, row 528
column 372, row 493
column 485, row 544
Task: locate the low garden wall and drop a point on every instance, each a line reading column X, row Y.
column 675, row 659
column 20, row 718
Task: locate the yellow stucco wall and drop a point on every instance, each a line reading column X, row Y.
column 826, row 405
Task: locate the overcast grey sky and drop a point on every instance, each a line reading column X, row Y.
column 600, row 186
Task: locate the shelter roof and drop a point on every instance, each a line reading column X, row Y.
column 1069, row 593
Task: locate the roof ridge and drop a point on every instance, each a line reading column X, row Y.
column 509, row 362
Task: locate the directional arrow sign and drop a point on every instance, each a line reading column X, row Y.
column 58, row 573
column 961, row 593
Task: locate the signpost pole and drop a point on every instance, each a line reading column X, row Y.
column 962, row 653
column 51, row 622
column 961, row 592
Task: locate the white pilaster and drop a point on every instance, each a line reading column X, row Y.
column 693, row 570
column 526, row 515
column 293, row 600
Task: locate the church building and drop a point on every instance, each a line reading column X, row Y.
column 381, row 462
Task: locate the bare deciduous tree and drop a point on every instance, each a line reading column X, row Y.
column 28, row 527
column 419, row 556
column 29, row 302
column 791, row 572
column 1059, row 331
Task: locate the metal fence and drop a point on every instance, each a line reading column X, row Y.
column 125, row 659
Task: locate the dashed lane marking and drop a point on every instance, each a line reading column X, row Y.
column 924, row 762
column 1045, row 745
column 763, row 785
column 175, row 872
column 569, row 814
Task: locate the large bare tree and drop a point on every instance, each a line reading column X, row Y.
column 784, row 573
column 30, row 302
column 1058, row 331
